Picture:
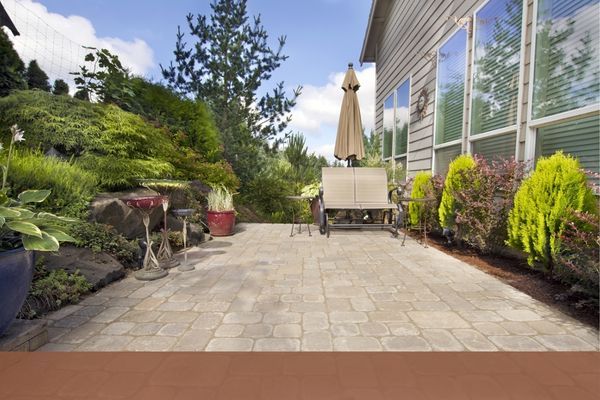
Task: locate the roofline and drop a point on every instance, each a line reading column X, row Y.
column 367, row 31
column 376, row 20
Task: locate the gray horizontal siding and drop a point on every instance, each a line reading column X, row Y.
column 415, row 28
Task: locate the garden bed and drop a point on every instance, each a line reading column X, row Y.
column 519, row 275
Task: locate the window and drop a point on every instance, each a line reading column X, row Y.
column 388, row 126
column 567, row 63
column 496, row 61
column 498, row 146
column 402, row 122
column 566, row 81
column 560, row 137
column 444, row 156
column 449, row 99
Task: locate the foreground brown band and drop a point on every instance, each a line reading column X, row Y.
column 372, row 376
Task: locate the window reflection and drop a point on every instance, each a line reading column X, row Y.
column 567, row 60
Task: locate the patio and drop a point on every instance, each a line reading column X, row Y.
column 261, row 290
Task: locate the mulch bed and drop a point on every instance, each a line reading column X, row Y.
column 519, row 275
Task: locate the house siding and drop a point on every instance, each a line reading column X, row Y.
column 412, row 30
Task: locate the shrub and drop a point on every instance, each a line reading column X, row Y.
column 51, row 290
column 541, row 207
column 72, row 187
column 119, row 147
column 117, row 173
column 190, row 122
column 420, row 189
column 578, row 260
column 455, row 181
column 484, row 204
column 101, row 237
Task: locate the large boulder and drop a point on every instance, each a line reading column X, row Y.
column 107, row 208
column 99, row 269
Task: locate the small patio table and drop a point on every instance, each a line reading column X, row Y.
column 299, row 220
column 422, row 226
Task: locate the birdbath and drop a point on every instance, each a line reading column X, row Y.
column 151, row 269
column 165, row 252
column 167, row 188
column 183, row 214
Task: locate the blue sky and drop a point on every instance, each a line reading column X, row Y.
column 322, row 37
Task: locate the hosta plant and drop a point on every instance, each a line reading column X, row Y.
column 20, row 224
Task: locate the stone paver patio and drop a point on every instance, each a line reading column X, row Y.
column 261, row 290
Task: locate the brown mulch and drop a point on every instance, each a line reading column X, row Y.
column 519, row 275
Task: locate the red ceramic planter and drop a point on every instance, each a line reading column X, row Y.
column 221, row 223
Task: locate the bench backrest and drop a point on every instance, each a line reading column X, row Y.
column 338, row 185
column 371, row 185
column 354, row 185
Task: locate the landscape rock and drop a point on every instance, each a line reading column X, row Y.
column 107, row 208
column 99, row 269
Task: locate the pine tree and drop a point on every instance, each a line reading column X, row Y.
column 36, row 77
column 225, row 67
column 11, row 67
column 60, row 87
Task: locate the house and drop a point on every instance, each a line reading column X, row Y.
column 493, row 77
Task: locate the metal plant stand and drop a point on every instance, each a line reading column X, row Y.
column 151, row 269
column 298, row 221
column 165, row 252
column 183, row 214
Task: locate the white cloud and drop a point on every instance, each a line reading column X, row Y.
column 318, row 107
column 325, row 150
column 55, row 41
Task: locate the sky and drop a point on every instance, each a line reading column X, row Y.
column 323, row 36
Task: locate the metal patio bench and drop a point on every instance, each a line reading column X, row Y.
column 357, row 189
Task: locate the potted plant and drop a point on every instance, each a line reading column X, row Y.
column 220, row 214
column 22, row 230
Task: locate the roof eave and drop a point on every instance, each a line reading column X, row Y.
column 376, row 20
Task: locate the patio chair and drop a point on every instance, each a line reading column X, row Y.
column 356, row 189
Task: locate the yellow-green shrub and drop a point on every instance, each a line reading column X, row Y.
column 455, row 181
column 422, row 187
column 537, row 221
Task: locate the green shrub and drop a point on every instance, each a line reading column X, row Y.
column 190, row 122
column 72, row 187
column 118, row 146
column 117, row 173
column 101, row 237
column 50, row 290
column 422, row 187
column 542, row 204
column 455, row 181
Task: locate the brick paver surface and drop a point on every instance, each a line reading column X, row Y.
column 262, row 290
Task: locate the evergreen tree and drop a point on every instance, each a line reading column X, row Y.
column 60, row 87
column 36, row 77
column 225, row 67
column 11, row 67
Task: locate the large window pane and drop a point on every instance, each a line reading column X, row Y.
column 580, row 138
column 567, row 59
column 501, row 146
column 388, row 126
column 402, row 117
column 496, row 65
column 444, row 156
column 450, row 92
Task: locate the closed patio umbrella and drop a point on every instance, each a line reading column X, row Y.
column 349, row 140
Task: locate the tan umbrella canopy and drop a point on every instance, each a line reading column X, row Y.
column 349, row 141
